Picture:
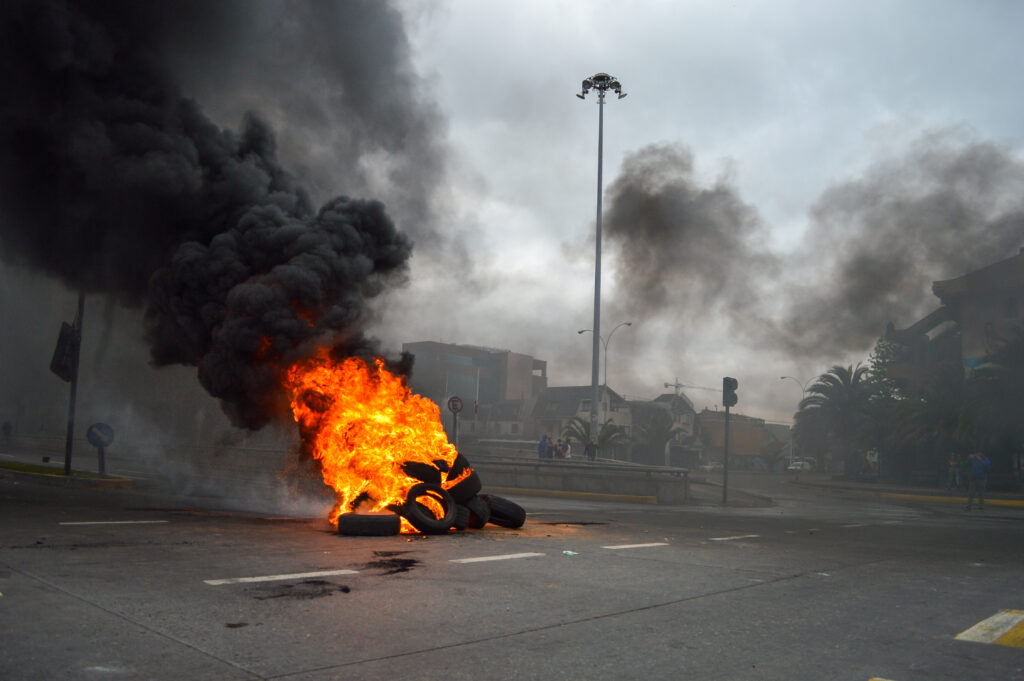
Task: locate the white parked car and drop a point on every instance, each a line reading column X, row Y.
column 799, row 466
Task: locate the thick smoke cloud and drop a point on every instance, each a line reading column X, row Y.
column 873, row 245
column 114, row 183
column 950, row 205
column 682, row 248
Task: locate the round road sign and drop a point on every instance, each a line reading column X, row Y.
column 455, row 405
column 100, row 435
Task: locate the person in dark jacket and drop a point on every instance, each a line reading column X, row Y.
column 977, row 478
column 542, row 448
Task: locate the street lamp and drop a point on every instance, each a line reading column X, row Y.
column 605, row 343
column 601, row 82
column 803, row 392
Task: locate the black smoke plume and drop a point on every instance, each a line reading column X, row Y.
column 873, row 246
column 113, row 182
column 682, row 249
column 950, row 205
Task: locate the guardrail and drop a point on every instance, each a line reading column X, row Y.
column 619, row 480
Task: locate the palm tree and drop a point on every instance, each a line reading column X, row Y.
column 839, row 399
column 657, row 433
column 609, row 436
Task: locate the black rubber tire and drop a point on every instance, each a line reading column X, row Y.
column 424, row 472
column 479, row 512
column 421, row 517
column 380, row 524
column 461, row 521
column 466, row 489
column 460, row 464
column 505, row 513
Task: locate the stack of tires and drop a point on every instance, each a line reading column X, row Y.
column 446, row 498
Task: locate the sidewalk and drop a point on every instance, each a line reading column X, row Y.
column 908, row 493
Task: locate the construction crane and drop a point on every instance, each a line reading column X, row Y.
column 677, row 385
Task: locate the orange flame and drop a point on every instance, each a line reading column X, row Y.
column 362, row 424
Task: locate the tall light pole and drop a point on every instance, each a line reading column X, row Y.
column 803, row 392
column 601, row 82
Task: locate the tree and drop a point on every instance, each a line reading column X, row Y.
column 656, row 433
column 609, row 436
column 838, row 400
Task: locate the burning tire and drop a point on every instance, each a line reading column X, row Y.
column 479, row 512
column 422, row 472
column 466, row 489
column 505, row 513
column 369, row 524
column 424, row 503
column 460, row 464
column 461, row 521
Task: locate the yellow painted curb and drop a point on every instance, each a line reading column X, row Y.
column 1005, row 628
column 1013, row 503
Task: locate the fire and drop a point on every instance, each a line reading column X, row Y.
column 363, row 424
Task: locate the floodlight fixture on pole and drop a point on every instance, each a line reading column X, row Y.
column 602, row 83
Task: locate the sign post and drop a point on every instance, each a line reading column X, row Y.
column 455, row 406
column 100, row 436
column 729, row 399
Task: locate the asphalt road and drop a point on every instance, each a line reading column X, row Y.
column 114, row 584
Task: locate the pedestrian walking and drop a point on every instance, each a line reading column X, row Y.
column 542, row 448
column 590, row 451
column 568, row 449
column 977, row 477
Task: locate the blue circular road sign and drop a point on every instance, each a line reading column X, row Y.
column 100, row 435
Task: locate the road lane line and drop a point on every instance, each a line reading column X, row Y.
column 855, row 525
column 741, row 536
column 1005, row 628
column 115, row 522
column 279, row 578
column 635, row 546
column 507, row 556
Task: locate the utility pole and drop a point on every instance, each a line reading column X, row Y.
column 76, row 353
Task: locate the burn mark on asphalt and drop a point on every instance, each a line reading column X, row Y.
column 307, row 589
column 390, row 563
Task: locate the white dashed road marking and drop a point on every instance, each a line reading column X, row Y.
column 741, row 536
column 856, row 525
column 116, row 522
column 635, row 546
column 507, row 556
column 277, row 578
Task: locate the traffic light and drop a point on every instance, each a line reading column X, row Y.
column 729, row 386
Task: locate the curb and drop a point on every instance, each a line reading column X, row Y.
column 61, row 480
column 908, row 496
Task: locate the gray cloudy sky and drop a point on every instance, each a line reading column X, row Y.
column 839, row 127
column 783, row 178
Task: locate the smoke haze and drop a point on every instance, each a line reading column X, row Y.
column 115, row 183
column 872, row 248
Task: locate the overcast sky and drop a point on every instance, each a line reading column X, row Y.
column 777, row 101
column 782, row 179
